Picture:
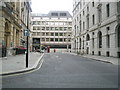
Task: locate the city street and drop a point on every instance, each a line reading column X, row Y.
column 63, row 70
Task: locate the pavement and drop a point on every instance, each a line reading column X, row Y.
column 17, row 64
column 111, row 60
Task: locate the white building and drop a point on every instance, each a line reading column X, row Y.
column 53, row 29
column 96, row 28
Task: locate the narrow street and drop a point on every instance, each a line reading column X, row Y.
column 62, row 70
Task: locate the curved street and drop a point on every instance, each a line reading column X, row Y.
column 63, row 70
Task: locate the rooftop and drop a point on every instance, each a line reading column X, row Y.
column 54, row 14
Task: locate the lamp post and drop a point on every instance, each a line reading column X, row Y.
column 26, row 33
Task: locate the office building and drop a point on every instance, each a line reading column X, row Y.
column 96, row 28
column 53, row 29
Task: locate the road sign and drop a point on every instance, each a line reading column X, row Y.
column 26, row 32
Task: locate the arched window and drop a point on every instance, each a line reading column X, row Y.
column 100, row 39
column 6, row 27
column 118, row 35
column 87, row 37
column 75, row 45
column 6, row 35
column 80, row 43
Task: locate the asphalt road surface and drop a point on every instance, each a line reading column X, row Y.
column 62, row 70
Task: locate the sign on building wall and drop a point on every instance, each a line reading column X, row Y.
column 26, row 32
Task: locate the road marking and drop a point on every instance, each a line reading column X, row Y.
column 41, row 62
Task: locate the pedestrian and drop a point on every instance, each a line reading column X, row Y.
column 54, row 50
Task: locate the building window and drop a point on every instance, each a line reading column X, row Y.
column 52, row 34
column 80, row 26
column 107, row 53
column 87, row 21
column 108, row 41
column 70, row 23
column 56, row 39
column 34, row 28
column 63, row 14
column 56, row 34
column 87, row 8
column 93, row 18
column 56, row 28
column 99, row 53
column 93, row 42
column 47, row 39
column 108, row 28
column 118, row 35
column 52, row 28
column 99, row 13
column 38, row 28
column 43, row 28
column 108, row 10
column 61, row 39
column 80, row 43
column 47, row 28
column 83, row 25
column 43, row 39
column 65, row 28
column 38, row 22
column 69, row 28
column 47, row 34
column 77, row 18
column 83, row 12
column 93, row 4
column 80, row 16
column 100, row 39
column 54, row 14
column 83, row 42
column 61, row 28
column 34, row 22
column 43, row 34
column 75, row 45
column 87, row 37
column 61, row 34
column 52, row 39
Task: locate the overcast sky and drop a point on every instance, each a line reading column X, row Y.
column 44, row 6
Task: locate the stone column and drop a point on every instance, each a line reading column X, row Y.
column 14, row 37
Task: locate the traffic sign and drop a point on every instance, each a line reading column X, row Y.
column 26, row 32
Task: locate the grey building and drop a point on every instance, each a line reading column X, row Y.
column 53, row 29
column 96, row 28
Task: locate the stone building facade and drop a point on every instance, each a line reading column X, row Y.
column 96, row 28
column 53, row 29
column 11, row 25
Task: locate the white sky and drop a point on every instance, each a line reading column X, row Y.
column 44, row 6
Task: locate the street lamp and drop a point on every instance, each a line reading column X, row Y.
column 26, row 33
